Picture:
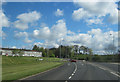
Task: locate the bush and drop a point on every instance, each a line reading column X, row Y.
column 96, row 58
column 53, row 55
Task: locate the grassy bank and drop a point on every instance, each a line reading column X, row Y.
column 14, row 68
column 98, row 58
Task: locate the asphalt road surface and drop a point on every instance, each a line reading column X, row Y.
column 81, row 70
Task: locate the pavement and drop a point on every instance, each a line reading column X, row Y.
column 80, row 70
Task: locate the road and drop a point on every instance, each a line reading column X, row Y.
column 81, row 70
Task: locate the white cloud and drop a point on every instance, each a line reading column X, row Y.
column 27, row 40
column 23, row 35
column 59, row 12
column 13, row 47
column 57, row 30
column 20, row 25
column 29, row 17
column 26, row 18
column 2, row 34
column 94, row 21
column 4, row 21
column 96, row 1
column 95, row 39
column 43, row 25
column 51, row 35
column 80, row 14
column 42, row 33
column 70, row 32
column 96, row 9
column 47, row 44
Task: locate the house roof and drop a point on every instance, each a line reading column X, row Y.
column 17, row 49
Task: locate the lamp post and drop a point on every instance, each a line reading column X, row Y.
column 113, row 42
column 113, row 47
column 47, row 50
column 60, row 49
column 60, row 46
column 91, row 43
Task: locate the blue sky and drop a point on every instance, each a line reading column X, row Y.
column 72, row 21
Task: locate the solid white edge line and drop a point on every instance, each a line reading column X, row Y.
column 115, row 74
column 107, row 70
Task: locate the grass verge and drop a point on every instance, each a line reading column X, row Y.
column 14, row 68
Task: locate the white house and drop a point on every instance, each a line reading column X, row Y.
column 32, row 53
column 5, row 52
column 8, row 52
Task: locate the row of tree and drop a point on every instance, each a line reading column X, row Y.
column 63, row 51
column 84, row 49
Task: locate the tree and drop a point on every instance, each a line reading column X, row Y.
column 40, row 49
column 35, row 48
column 85, row 49
column 76, row 49
column 90, row 51
column 52, row 55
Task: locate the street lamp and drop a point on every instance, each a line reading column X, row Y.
column 91, row 42
column 47, row 50
column 60, row 46
column 113, row 42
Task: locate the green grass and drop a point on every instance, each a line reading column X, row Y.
column 99, row 58
column 14, row 68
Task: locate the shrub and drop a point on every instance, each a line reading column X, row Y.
column 53, row 55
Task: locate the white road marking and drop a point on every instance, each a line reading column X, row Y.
column 68, row 64
column 82, row 64
column 115, row 63
column 115, row 74
column 70, row 77
column 107, row 70
column 118, row 72
column 102, row 68
column 73, row 71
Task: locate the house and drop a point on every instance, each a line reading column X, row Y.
column 5, row 51
column 25, row 52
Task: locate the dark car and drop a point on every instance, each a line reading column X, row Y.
column 73, row 60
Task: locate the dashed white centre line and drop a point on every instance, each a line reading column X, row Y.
column 70, row 77
column 68, row 64
column 73, row 71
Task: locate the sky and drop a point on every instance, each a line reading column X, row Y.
column 50, row 24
